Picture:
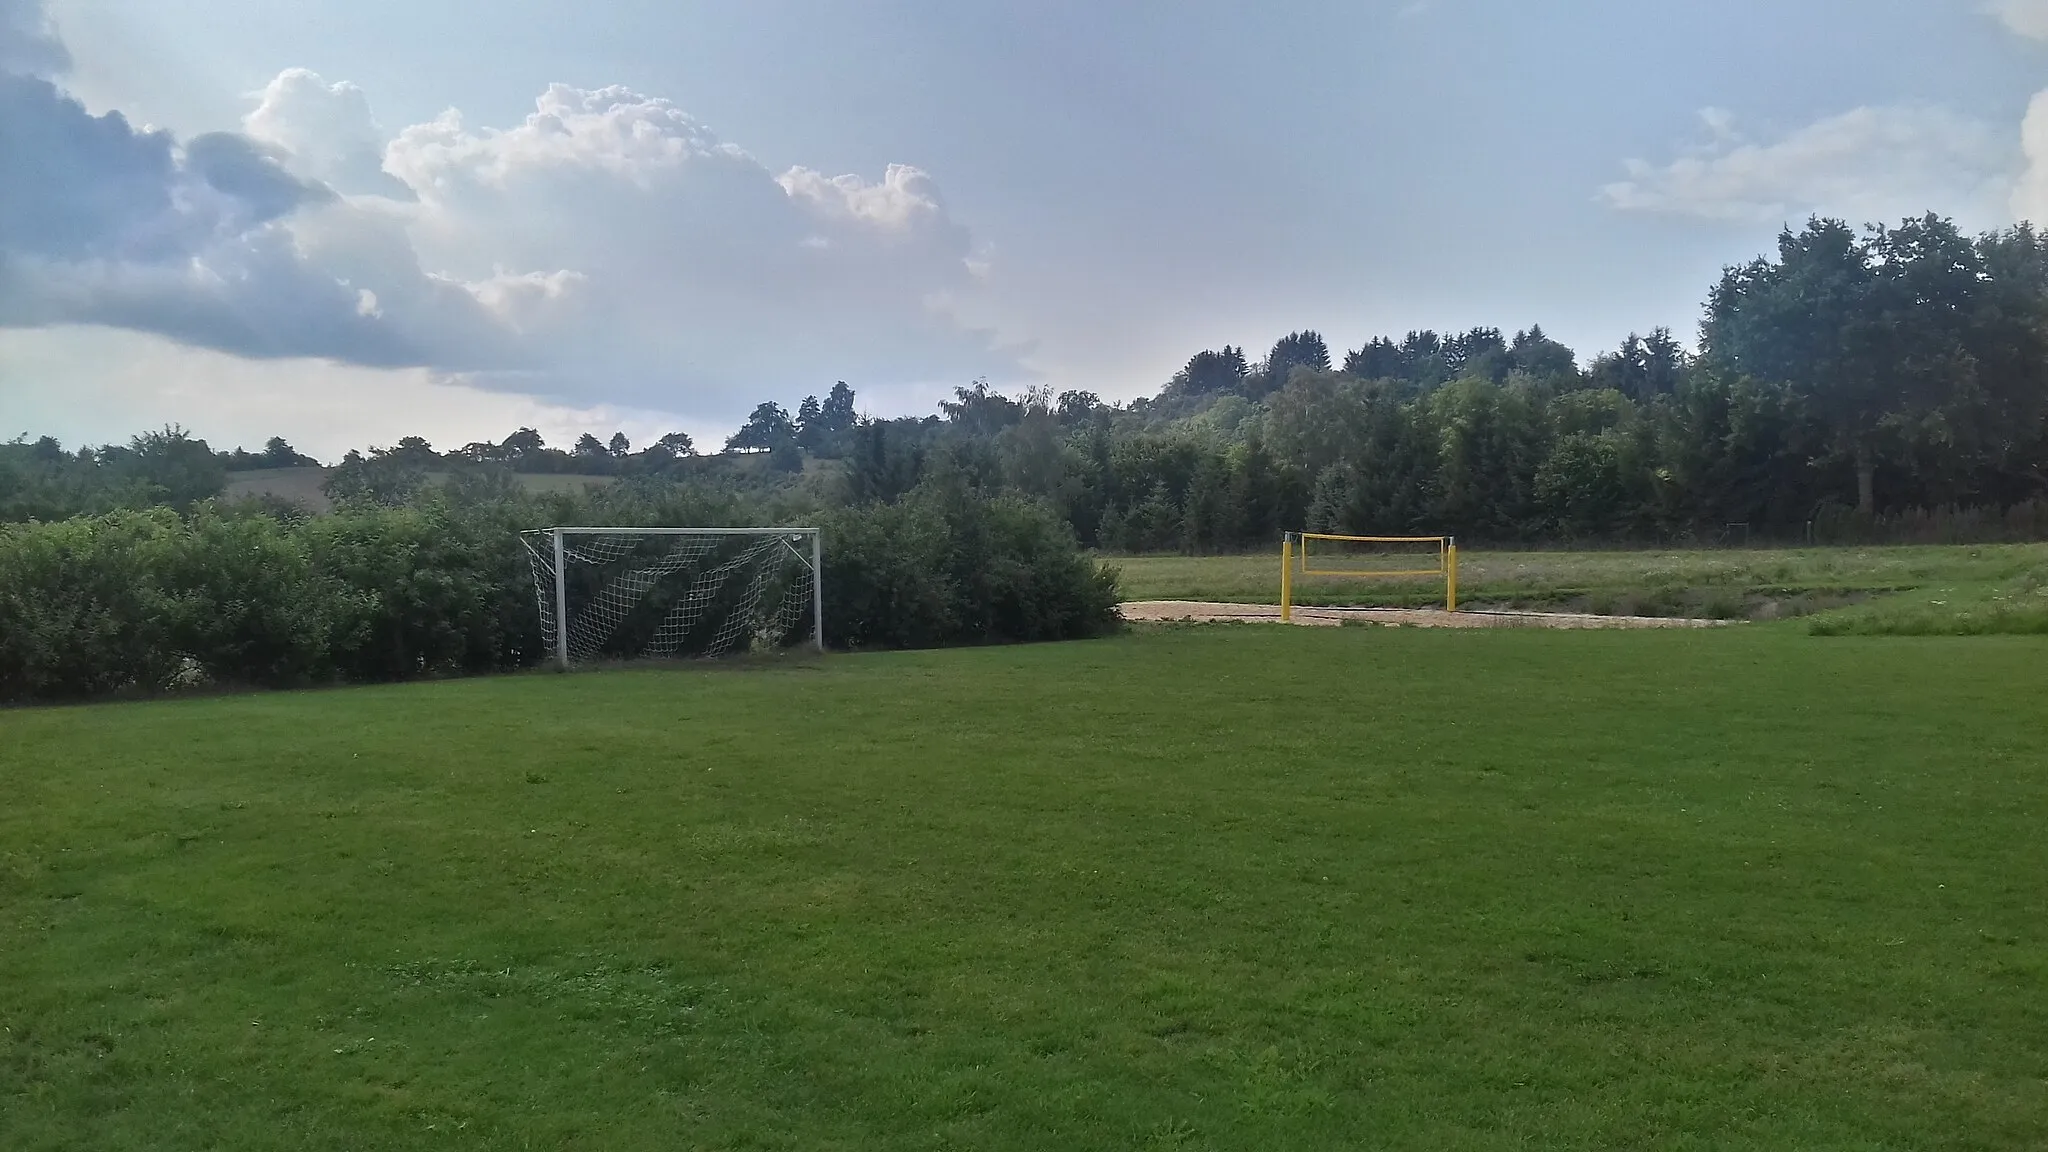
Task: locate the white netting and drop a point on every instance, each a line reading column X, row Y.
column 637, row 595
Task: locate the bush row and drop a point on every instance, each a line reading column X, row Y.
column 152, row 600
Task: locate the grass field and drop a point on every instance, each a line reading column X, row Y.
column 1192, row 888
column 1725, row 584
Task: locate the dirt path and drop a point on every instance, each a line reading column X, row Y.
column 1157, row 611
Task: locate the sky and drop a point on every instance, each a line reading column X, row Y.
column 348, row 221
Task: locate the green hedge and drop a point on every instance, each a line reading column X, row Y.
column 149, row 601
column 947, row 567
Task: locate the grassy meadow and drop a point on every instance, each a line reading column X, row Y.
column 1192, row 888
column 1722, row 584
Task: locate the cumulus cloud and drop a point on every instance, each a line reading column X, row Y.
column 638, row 253
column 325, row 132
column 1873, row 163
column 609, row 247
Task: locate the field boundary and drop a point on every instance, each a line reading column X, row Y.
column 1209, row 612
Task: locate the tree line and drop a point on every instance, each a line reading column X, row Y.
column 1850, row 379
column 1853, row 380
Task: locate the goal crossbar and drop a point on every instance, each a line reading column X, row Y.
column 1294, row 560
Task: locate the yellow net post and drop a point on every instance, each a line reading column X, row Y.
column 1286, row 578
column 1451, row 575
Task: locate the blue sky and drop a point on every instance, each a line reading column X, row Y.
column 705, row 213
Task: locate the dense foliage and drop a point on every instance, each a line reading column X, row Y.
column 151, row 599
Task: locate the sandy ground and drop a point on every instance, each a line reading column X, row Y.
column 1175, row 610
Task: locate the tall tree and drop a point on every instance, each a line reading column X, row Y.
column 1209, row 373
column 837, row 413
column 523, row 443
column 768, row 428
column 1864, row 329
column 810, row 424
column 1304, row 349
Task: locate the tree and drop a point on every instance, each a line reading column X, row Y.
column 886, row 461
column 837, row 413
column 523, row 443
column 1210, row 373
column 1303, row 349
column 675, row 444
column 1642, row 369
column 482, row 452
column 590, row 450
column 1544, row 359
column 415, row 451
column 810, row 426
column 390, row 478
column 278, row 453
column 1871, row 332
column 1074, row 407
column 620, row 447
column 181, row 470
column 767, row 429
column 1379, row 359
column 979, row 411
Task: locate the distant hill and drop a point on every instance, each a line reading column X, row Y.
column 301, row 486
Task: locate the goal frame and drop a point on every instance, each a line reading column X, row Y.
column 1290, row 558
column 560, row 534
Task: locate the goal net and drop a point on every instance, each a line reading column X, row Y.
column 674, row 593
column 1396, row 559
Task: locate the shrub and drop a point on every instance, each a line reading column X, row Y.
column 83, row 609
column 950, row 565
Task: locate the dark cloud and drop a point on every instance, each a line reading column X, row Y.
column 256, row 181
column 101, row 223
column 77, row 185
column 28, row 45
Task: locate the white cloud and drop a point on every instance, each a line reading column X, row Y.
column 607, row 249
column 2029, row 18
column 2030, row 195
column 648, row 260
column 1870, row 164
column 325, row 132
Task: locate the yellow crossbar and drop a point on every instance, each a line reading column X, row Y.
column 1376, row 539
column 1370, row 575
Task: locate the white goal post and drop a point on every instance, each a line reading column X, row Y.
column 640, row 593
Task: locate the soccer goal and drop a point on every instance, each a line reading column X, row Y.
column 1367, row 558
column 674, row 593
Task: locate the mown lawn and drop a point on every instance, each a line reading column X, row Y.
column 1726, row 583
column 1193, row 888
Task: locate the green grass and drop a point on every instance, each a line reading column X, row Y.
column 1761, row 583
column 1193, row 888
